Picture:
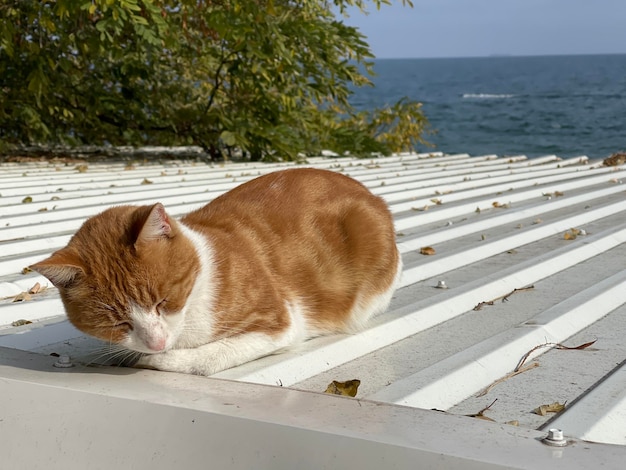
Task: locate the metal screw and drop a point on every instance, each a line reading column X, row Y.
column 63, row 362
column 555, row 438
column 441, row 285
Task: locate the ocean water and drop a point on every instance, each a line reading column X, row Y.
column 563, row 105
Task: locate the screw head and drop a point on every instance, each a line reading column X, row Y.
column 441, row 285
column 555, row 438
column 63, row 362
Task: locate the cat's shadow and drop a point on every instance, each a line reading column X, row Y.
column 11, row 359
column 24, row 350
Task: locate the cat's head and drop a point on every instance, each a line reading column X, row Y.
column 125, row 276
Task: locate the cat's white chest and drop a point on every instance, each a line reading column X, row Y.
column 197, row 325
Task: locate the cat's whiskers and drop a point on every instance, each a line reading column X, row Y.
column 114, row 354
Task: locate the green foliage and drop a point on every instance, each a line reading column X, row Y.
column 271, row 78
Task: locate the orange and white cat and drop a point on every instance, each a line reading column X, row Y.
column 282, row 258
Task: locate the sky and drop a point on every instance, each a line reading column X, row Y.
column 475, row 28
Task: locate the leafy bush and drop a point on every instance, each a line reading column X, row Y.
column 269, row 78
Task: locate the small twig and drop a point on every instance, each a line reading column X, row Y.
column 525, row 356
column 554, row 345
column 521, row 289
column 482, row 304
column 517, row 371
column 504, row 298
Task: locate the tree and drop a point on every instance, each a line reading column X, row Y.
column 270, row 78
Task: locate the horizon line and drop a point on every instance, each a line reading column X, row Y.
column 502, row 56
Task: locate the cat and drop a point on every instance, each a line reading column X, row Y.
column 285, row 257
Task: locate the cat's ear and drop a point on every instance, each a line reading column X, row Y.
column 156, row 226
column 61, row 268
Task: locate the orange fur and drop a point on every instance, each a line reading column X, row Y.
column 309, row 237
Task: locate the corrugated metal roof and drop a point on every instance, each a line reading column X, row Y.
column 515, row 281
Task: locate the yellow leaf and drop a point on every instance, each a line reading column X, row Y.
column 348, row 388
column 555, row 407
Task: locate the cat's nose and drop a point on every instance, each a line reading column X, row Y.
column 156, row 344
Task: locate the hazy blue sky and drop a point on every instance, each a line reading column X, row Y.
column 459, row 28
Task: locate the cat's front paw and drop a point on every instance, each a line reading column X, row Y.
column 170, row 361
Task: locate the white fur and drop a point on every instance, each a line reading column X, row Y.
column 198, row 321
column 364, row 310
column 151, row 332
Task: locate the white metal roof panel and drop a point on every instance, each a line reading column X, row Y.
column 497, row 224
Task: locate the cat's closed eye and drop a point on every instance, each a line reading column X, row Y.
column 161, row 307
column 123, row 326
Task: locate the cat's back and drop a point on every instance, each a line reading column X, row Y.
column 286, row 197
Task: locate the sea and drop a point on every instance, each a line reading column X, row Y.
column 542, row 105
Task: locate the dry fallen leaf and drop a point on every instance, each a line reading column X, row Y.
column 420, row 209
column 573, row 233
column 436, row 201
column 555, row 407
column 27, row 199
column 481, row 413
column 579, row 347
column 21, row 322
column 26, row 270
column 37, row 288
column 146, row 181
column 81, row 168
column 348, row 388
column 617, row 159
column 427, row 250
column 22, row 297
